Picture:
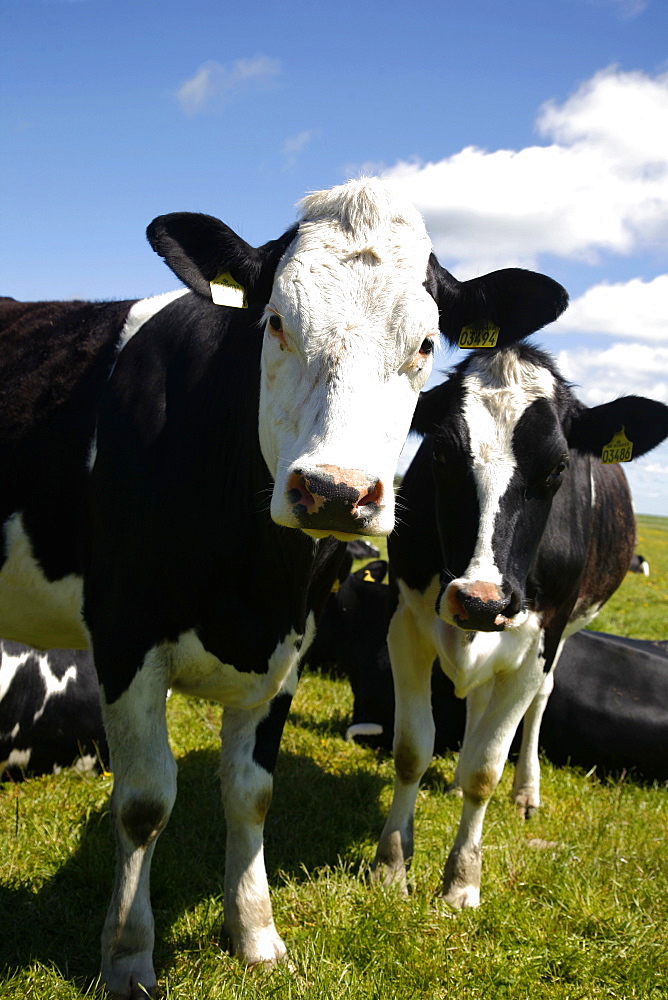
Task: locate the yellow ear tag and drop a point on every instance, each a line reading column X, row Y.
column 225, row 291
column 482, row 334
column 336, row 586
column 619, row 449
column 368, row 578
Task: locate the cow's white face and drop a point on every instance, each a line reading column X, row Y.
column 350, row 329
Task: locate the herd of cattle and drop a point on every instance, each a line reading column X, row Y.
column 145, row 445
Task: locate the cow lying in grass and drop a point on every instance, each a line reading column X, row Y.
column 513, row 534
column 50, row 715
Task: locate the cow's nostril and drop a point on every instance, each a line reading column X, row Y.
column 298, row 492
column 375, row 495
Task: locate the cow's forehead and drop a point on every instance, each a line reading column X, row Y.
column 360, row 255
column 498, row 390
column 504, row 383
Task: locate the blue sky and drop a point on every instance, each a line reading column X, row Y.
column 528, row 132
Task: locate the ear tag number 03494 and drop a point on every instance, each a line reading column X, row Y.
column 619, row 449
column 483, row 334
column 225, row 291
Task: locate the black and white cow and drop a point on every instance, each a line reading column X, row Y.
column 144, row 446
column 50, row 715
column 608, row 710
column 535, row 534
column 639, row 565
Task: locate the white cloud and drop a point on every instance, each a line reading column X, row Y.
column 214, row 85
column 620, row 369
column 635, row 309
column 626, row 10
column 295, row 144
column 600, row 185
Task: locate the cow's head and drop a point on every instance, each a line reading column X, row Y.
column 505, row 429
column 352, row 300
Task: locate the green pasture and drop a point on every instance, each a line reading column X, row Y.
column 575, row 901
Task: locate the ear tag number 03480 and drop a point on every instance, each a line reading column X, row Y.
column 483, row 334
column 225, row 291
column 619, row 449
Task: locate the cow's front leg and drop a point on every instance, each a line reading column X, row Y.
column 493, row 719
column 143, row 796
column 412, row 657
column 250, row 741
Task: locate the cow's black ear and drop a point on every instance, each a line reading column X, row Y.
column 644, row 423
column 515, row 301
column 200, row 248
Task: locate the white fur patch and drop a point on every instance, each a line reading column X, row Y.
column 363, row 729
column 497, row 391
column 54, row 685
column 34, row 610
column 17, row 758
column 471, row 659
column 140, row 313
column 143, row 310
column 192, row 670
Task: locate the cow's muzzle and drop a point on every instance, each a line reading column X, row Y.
column 477, row 606
column 327, row 498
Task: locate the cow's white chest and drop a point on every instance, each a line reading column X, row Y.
column 34, row 610
column 193, row 670
column 471, row 659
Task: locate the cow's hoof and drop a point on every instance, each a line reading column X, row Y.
column 137, row 991
column 461, row 897
column 263, row 949
column 526, row 804
column 389, row 875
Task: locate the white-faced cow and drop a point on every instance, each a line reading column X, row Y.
column 535, row 534
column 144, row 446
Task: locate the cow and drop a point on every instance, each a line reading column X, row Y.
column 513, row 534
column 639, row 564
column 608, row 710
column 50, row 715
column 145, row 445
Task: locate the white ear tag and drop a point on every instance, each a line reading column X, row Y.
column 225, row 291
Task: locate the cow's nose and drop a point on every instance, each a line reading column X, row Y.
column 476, row 607
column 329, row 498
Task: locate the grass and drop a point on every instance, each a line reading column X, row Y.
column 575, row 902
column 640, row 607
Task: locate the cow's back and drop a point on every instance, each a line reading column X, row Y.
column 55, row 358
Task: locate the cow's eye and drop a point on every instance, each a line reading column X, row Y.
column 276, row 325
column 557, row 472
column 427, row 346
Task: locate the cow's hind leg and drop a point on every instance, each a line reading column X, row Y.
column 412, row 656
column 526, row 783
column 495, row 717
column 143, row 796
column 250, row 741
